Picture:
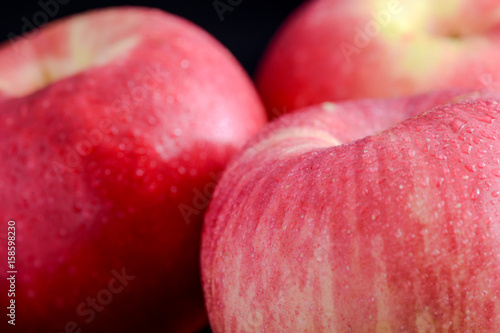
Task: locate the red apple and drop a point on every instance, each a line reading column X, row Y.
column 344, row 49
column 344, row 218
column 115, row 125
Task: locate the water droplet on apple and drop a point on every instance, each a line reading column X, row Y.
column 152, row 120
column 139, row 172
column 466, row 148
column 470, row 167
column 439, row 182
column 181, row 170
column 457, row 124
column 185, row 63
column 487, row 135
column 475, row 194
column 496, row 172
column 495, row 194
column 485, row 119
column 441, row 127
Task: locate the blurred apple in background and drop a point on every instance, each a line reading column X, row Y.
column 337, row 50
column 347, row 217
column 115, row 126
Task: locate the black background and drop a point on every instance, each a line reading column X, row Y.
column 245, row 30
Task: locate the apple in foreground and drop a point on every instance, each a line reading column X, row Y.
column 115, row 125
column 343, row 49
column 347, row 218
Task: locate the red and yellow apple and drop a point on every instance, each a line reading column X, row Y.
column 343, row 49
column 348, row 218
column 115, row 125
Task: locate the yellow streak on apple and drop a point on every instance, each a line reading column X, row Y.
column 432, row 244
column 85, row 52
column 327, row 290
column 419, row 209
column 424, row 322
column 86, row 48
column 411, row 16
column 418, row 41
column 232, row 296
column 315, row 269
column 421, row 16
column 382, row 290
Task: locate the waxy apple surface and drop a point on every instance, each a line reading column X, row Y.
column 115, row 125
column 343, row 217
column 337, row 50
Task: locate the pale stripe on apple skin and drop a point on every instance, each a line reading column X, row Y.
column 379, row 273
column 86, row 43
column 87, row 48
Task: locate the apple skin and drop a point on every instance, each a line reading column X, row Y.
column 320, row 225
column 338, row 50
column 112, row 140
